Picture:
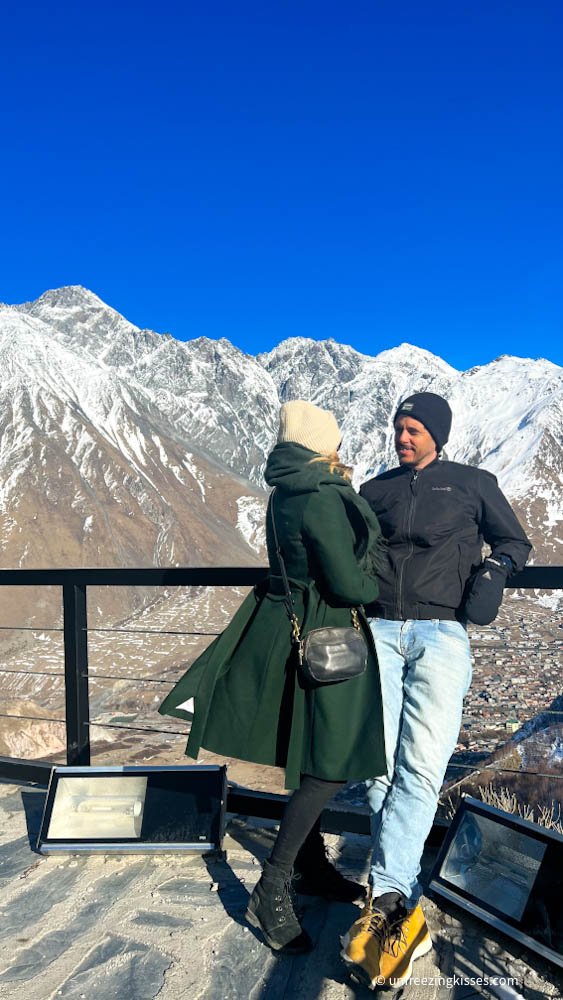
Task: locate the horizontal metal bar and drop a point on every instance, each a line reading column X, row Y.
column 516, row 770
column 268, row 805
column 117, row 677
column 17, row 769
column 537, row 577
column 249, row 802
column 163, row 847
column 123, row 631
column 531, row 577
column 139, row 729
column 490, row 767
column 32, row 718
column 174, row 576
column 147, row 631
column 31, row 673
column 28, row 628
column 141, row 768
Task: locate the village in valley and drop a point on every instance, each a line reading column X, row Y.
column 517, row 673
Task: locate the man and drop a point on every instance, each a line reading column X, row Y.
column 435, row 516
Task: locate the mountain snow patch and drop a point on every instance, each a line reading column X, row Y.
column 554, row 514
column 556, row 752
column 195, row 473
column 551, row 600
column 251, row 521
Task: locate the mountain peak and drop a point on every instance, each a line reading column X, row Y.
column 309, row 347
column 76, row 313
column 69, row 297
column 411, row 354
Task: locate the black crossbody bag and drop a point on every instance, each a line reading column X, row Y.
column 326, row 655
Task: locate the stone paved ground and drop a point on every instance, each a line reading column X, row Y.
column 136, row 928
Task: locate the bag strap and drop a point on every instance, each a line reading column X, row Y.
column 289, row 603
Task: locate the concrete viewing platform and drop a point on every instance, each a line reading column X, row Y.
column 172, row 926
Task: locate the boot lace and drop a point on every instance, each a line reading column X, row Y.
column 286, row 899
column 377, row 926
column 395, row 941
column 391, row 937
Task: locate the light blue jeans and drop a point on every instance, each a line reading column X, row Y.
column 425, row 669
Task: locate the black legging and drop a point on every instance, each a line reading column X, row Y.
column 301, row 815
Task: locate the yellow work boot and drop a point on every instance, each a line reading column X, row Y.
column 362, row 946
column 405, row 941
column 384, row 941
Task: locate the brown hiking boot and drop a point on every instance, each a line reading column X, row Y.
column 383, row 943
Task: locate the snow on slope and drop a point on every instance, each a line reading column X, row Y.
column 93, row 470
column 98, row 377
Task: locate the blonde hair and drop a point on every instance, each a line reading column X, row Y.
column 335, row 465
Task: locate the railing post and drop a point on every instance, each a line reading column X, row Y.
column 76, row 675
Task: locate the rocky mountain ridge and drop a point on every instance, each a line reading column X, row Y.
column 111, row 425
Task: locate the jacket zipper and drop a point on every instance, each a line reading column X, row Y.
column 410, row 517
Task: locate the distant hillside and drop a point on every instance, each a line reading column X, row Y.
column 530, row 762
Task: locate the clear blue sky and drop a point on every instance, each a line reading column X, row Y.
column 374, row 171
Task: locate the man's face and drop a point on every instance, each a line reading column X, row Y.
column 414, row 445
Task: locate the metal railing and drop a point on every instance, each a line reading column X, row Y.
column 74, row 584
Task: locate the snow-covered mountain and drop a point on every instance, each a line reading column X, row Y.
column 123, row 446
column 100, row 460
column 505, row 417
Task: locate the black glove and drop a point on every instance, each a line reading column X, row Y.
column 486, row 589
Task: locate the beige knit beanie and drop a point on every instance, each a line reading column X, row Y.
column 306, row 424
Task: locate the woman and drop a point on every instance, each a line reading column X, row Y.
column 250, row 699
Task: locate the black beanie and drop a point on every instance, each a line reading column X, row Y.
column 433, row 411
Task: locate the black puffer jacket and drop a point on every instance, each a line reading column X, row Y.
column 435, row 522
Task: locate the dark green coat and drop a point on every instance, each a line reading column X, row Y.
column 250, row 701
